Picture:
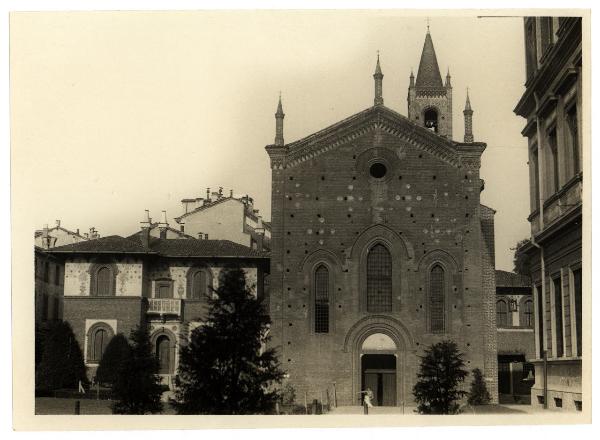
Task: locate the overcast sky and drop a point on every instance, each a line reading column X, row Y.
column 114, row 113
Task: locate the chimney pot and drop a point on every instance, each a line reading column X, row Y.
column 206, row 236
column 231, row 193
column 200, row 235
column 58, row 223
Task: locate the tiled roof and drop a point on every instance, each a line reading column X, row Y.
column 110, row 244
column 511, row 279
column 429, row 71
column 203, row 248
column 176, row 247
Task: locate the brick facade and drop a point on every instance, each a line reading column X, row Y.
column 327, row 209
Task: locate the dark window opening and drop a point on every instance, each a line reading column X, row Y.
column 558, row 316
column 379, row 279
column 540, row 321
column 501, row 313
column 431, row 120
column 577, row 289
column 378, row 170
column 437, row 299
column 546, row 33
column 554, row 157
column 528, row 313
column 321, row 300
column 104, row 281
column 536, row 176
column 573, row 138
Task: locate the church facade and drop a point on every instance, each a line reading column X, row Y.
column 380, row 247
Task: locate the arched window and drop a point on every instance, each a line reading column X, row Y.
column 98, row 338
column 103, row 277
column 501, row 313
column 437, row 300
column 103, row 281
column 199, row 284
column 163, row 354
column 321, row 299
column 431, row 120
column 379, row 279
column 527, row 313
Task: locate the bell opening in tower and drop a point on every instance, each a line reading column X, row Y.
column 431, row 120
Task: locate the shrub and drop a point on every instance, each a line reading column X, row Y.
column 478, row 394
column 117, row 352
column 61, row 364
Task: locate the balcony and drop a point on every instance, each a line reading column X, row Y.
column 161, row 306
column 563, row 201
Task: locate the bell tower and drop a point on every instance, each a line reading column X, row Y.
column 429, row 99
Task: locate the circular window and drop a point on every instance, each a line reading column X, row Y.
column 378, row 170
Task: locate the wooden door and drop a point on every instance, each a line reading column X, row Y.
column 388, row 384
column 163, row 349
column 371, row 383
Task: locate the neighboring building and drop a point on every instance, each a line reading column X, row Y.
column 552, row 106
column 381, row 247
column 49, row 278
column 49, row 271
column 114, row 284
column 58, row 236
column 516, row 342
column 219, row 217
column 163, row 230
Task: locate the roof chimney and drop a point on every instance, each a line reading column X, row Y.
column 207, row 195
column 163, row 225
column 206, row 236
column 58, row 223
column 200, row 235
column 146, row 223
column 231, row 194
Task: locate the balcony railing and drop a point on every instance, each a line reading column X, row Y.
column 161, row 306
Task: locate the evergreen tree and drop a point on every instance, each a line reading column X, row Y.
column 521, row 261
column 117, row 352
column 478, row 394
column 440, row 374
column 224, row 368
column 61, row 364
column 136, row 388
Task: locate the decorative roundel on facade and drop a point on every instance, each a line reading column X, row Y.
column 174, row 327
column 378, row 170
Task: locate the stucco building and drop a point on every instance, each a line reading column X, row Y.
column 113, row 284
column 552, row 105
column 231, row 217
column 381, row 247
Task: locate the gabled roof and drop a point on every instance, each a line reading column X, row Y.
column 511, row 279
column 175, row 247
column 40, row 232
column 429, row 71
column 373, row 118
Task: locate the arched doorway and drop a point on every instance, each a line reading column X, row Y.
column 378, row 368
column 163, row 354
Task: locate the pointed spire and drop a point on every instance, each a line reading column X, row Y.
column 378, row 76
column 448, row 83
column 468, row 114
column 468, row 103
column 412, row 78
column 429, row 71
column 279, row 115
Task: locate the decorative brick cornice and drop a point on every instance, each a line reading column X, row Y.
column 374, row 118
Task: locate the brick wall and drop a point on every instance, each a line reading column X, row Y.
column 328, row 209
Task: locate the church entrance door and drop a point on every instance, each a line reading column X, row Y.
column 379, row 375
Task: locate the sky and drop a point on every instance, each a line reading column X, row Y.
column 114, row 113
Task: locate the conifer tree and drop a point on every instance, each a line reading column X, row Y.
column 136, row 388
column 117, row 352
column 61, row 364
column 440, row 374
column 478, row 394
column 224, row 368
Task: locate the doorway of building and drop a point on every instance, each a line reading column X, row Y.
column 379, row 375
